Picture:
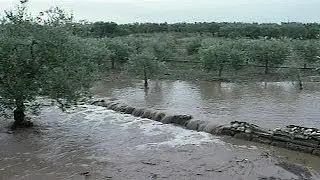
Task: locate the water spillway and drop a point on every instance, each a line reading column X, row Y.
column 292, row 137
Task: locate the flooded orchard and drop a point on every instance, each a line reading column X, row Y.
column 90, row 142
column 267, row 104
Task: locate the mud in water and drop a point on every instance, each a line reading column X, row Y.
column 91, row 142
column 267, row 104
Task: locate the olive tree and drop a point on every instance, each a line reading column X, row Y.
column 268, row 52
column 163, row 47
column 221, row 55
column 137, row 44
column 99, row 53
column 120, row 51
column 144, row 64
column 39, row 60
column 294, row 63
column 302, row 52
column 307, row 50
column 193, row 45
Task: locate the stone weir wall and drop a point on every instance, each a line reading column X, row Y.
column 291, row 137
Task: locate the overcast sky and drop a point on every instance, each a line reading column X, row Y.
column 128, row 11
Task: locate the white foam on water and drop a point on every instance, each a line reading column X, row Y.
column 178, row 136
column 246, row 147
column 182, row 138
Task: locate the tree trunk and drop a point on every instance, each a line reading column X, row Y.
column 112, row 64
column 19, row 116
column 266, row 71
column 300, row 82
column 145, row 78
column 220, row 71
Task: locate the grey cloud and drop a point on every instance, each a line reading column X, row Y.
column 125, row 11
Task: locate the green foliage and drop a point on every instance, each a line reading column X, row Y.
column 99, row 53
column 41, row 59
column 220, row 55
column 193, row 46
column 71, row 69
column 137, row 44
column 144, row 64
column 226, row 30
column 270, row 30
column 119, row 51
column 268, row 52
column 163, row 47
column 308, row 51
column 81, row 29
column 51, row 55
column 55, row 16
column 141, row 61
column 104, row 29
column 122, row 48
column 293, row 30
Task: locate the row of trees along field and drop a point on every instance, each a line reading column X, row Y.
column 219, row 54
column 227, row 30
column 53, row 56
column 213, row 54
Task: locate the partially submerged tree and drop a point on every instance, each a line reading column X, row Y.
column 144, row 64
column 294, row 63
column 39, row 60
column 302, row 53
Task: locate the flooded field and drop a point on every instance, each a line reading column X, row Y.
column 90, row 142
column 94, row 143
column 272, row 104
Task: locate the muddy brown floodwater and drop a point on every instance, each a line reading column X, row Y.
column 268, row 104
column 90, row 142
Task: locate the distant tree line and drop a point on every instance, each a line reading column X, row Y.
column 230, row 30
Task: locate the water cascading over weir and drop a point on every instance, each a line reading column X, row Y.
column 292, row 137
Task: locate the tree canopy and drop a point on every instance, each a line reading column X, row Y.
column 219, row 55
column 268, row 52
column 40, row 59
column 145, row 64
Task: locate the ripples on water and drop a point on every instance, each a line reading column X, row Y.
column 101, row 141
column 64, row 144
column 272, row 104
column 105, row 143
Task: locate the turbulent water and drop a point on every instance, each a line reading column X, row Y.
column 272, row 104
column 94, row 143
column 90, row 142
